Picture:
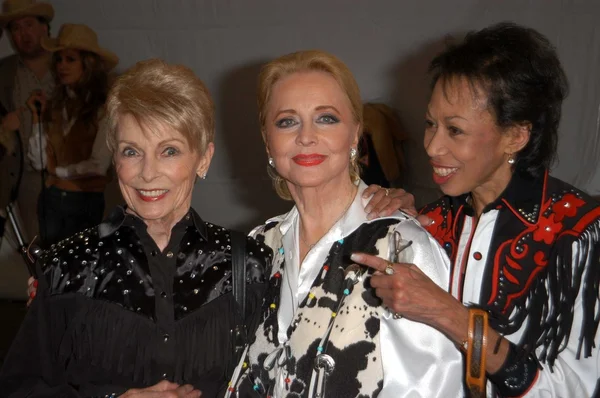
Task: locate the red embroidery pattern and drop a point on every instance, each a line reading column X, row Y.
column 551, row 224
column 517, row 262
column 441, row 230
column 547, row 229
column 437, row 221
column 567, row 206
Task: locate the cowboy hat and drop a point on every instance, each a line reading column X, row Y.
column 79, row 37
column 14, row 9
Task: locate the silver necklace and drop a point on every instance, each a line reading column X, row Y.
column 310, row 247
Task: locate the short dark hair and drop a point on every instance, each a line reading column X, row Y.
column 519, row 70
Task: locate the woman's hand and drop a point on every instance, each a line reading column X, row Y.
column 409, row 293
column 385, row 201
column 12, row 120
column 40, row 97
column 32, row 285
column 164, row 389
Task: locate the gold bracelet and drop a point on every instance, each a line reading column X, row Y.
column 476, row 352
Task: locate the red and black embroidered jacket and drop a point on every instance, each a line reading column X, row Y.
column 544, row 252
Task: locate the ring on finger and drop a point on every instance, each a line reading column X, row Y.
column 389, row 269
column 387, row 191
column 397, row 315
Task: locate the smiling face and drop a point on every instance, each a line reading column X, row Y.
column 468, row 151
column 310, row 130
column 69, row 66
column 157, row 168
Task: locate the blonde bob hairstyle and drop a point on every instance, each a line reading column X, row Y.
column 307, row 61
column 156, row 93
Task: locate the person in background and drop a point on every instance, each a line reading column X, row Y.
column 26, row 71
column 379, row 154
column 524, row 304
column 323, row 332
column 72, row 147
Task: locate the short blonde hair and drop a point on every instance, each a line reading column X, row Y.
column 307, row 61
column 154, row 91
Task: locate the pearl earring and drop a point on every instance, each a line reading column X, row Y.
column 511, row 159
column 271, row 162
column 353, row 153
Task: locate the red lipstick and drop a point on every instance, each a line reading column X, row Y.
column 146, row 198
column 444, row 173
column 308, row 160
column 441, row 180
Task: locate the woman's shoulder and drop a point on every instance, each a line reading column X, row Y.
column 402, row 238
column 82, row 242
column 409, row 226
column 74, row 256
column 265, row 228
column 569, row 205
column 557, row 189
column 255, row 248
column 270, row 233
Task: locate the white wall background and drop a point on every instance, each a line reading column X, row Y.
column 386, row 43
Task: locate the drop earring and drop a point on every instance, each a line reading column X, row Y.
column 271, row 162
column 511, row 159
column 353, row 153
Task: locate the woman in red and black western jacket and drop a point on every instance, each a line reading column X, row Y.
column 525, row 247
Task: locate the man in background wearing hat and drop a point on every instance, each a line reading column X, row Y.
column 28, row 70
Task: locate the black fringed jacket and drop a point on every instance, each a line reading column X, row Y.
column 533, row 260
column 113, row 312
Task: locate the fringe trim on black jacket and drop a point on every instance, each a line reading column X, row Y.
column 573, row 267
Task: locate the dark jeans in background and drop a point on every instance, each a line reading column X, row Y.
column 62, row 214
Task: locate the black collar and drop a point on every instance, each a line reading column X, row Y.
column 119, row 217
column 523, row 196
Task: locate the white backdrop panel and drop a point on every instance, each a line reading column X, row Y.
column 386, row 43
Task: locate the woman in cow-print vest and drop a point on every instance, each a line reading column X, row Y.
column 323, row 330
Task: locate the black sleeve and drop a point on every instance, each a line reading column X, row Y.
column 254, row 300
column 258, row 271
column 30, row 368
